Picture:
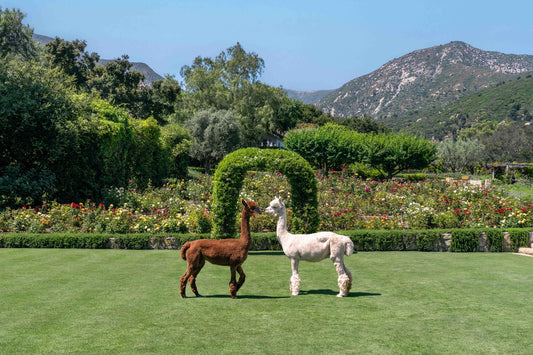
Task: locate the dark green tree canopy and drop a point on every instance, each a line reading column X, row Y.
column 394, row 153
column 229, row 178
column 328, row 147
column 72, row 58
column 15, row 38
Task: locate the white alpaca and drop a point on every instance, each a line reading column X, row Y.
column 312, row 247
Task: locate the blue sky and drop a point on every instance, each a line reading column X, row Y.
column 306, row 45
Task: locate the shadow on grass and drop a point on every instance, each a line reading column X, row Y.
column 302, row 293
column 251, row 297
column 267, row 252
column 331, row 292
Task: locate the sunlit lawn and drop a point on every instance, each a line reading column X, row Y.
column 117, row 301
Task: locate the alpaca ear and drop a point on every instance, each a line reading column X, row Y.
column 244, row 203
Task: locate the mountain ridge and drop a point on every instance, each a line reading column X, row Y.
column 422, row 79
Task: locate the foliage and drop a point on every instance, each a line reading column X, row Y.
column 345, row 202
column 228, row 182
column 461, row 154
column 510, row 142
column 231, row 82
column 332, row 147
column 394, row 153
column 464, row 240
column 176, row 142
column 215, row 133
column 364, row 124
column 327, row 147
column 36, row 143
column 213, row 82
column 73, row 60
column 15, row 38
column 101, row 144
column 478, row 113
column 519, row 238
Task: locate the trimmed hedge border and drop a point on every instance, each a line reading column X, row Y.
column 455, row 240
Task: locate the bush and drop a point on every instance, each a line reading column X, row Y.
column 519, row 238
column 465, row 240
column 231, row 172
column 495, row 240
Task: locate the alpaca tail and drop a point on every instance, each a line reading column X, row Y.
column 348, row 247
column 184, row 248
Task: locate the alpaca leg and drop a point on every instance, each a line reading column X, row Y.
column 242, row 277
column 345, row 284
column 344, row 280
column 295, row 278
column 183, row 281
column 349, row 275
column 233, row 283
column 192, row 278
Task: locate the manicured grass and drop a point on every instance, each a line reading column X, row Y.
column 118, row 301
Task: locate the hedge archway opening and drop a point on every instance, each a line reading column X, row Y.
column 229, row 177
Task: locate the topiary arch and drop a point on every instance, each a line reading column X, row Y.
column 232, row 170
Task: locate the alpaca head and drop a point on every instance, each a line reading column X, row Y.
column 276, row 207
column 251, row 207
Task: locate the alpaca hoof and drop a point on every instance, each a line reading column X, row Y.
column 183, row 296
column 294, row 294
column 233, row 297
column 341, row 295
column 198, row 295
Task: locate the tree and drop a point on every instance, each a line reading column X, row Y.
column 327, row 147
column 210, row 80
column 15, row 38
column 73, row 60
column 261, row 109
column 177, row 141
column 461, row 154
column 118, row 84
column 160, row 101
column 510, row 142
column 215, row 133
column 36, row 106
column 394, row 153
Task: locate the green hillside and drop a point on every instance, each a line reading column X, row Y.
column 507, row 101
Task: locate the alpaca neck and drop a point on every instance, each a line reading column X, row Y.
column 245, row 228
column 281, row 229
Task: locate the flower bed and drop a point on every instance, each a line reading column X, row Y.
column 345, row 203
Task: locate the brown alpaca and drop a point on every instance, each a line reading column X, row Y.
column 226, row 252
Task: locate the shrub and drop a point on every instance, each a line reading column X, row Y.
column 231, row 172
column 465, row 240
column 519, row 238
column 495, row 239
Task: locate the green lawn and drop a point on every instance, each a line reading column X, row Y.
column 118, row 301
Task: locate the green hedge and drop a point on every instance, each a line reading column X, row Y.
column 462, row 240
column 261, row 241
column 228, row 180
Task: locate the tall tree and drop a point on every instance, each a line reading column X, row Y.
column 215, row 133
column 118, row 84
column 510, row 142
column 231, row 81
column 72, row 58
column 15, row 38
column 461, row 154
column 36, row 107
